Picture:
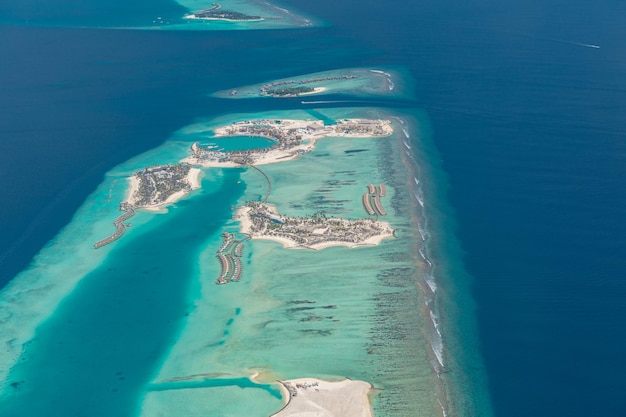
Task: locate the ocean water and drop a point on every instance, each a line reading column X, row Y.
column 516, row 125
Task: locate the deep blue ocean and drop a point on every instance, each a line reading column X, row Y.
column 527, row 118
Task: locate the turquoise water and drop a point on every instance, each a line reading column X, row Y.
column 102, row 343
column 147, row 331
column 371, row 307
column 526, row 145
column 140, row 328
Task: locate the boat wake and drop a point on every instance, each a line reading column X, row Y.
column 330, row 101
column 585, row 45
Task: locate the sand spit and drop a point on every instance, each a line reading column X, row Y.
column 311, row 397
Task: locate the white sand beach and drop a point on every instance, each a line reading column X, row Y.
column 308, row 132
column 243, row 216
column 193, row 178
column 316, row 90
column 312, row 397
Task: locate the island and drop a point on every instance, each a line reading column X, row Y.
column 359, row 81
column 215, row 12
column 151, row 189
column 262, row 221
column 293, row 91
column 156, row 186
column 316, row 397
column 292, row 138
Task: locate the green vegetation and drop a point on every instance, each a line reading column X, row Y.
column 290, row 91
column 225, row 15
column 157, row 183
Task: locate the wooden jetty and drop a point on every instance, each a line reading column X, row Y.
column 229, row 256
column 120, row 226
column 371, row 199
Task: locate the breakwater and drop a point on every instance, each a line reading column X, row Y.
column 120, row 226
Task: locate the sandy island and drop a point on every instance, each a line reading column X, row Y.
column 293, row 138
column 311, row 397
column 324, row 234
column 316, row 90
column 193, row 179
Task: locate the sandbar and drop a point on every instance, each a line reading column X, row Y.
column 311, row 397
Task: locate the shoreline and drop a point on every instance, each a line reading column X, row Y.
column 317, row 397
column 316, row 90
column 302, row 134
column 270, row 157
column 193, row 177
column 362, row 81
column 242, row 215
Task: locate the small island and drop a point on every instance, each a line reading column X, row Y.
column 293, row 91
column 262, row 221
column 316, row 397
column 156, row 186
column 358, row 81
column 292, row 138
column 294, row 88
column 153, row 188
column 215, row 12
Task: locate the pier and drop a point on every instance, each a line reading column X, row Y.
column 120, row 226
column 229, row 256
column 371, row 200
